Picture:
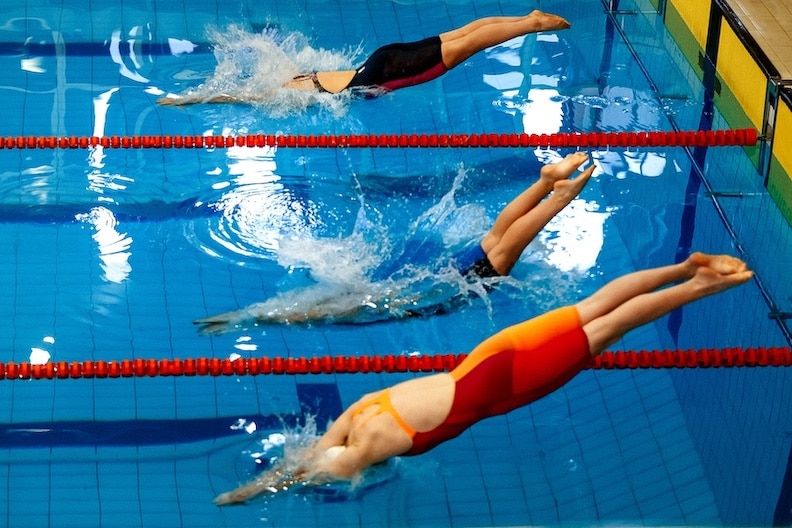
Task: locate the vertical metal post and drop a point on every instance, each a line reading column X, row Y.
column 768, row 127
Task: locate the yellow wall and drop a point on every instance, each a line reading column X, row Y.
column 743, row 93
column 779, row 184
column 735, row 67
column 688, row 23
column 782, row 141
column 695, row 14
column 739, row 70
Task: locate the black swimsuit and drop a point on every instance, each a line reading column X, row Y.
column 401, row 64
column 394, row 66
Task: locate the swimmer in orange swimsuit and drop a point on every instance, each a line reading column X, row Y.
column 400, row 65
column 510, row 369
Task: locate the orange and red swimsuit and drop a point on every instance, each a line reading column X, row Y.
column 514, row 367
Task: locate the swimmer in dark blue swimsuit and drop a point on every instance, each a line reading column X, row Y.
column 524, row 217
column 406, row 64
column 516, row 226
column 495, row 255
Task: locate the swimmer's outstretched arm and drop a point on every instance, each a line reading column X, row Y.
column 315, row 471
column 185, row 100
column 257, row 313
column 336, row 463
column 350, row 308
column 331, row 82
column 220, row 324
column 229, row 321
column 329, row 460
column 272, row 481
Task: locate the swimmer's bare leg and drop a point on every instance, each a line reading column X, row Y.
column 523, row 219
column 635, row 299
column 460, row 44
column 620, row 290
column 530, row 198
column 534, row 21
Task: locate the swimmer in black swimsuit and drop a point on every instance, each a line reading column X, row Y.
column 406, row 64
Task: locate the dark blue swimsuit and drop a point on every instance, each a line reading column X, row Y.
column 473, row 262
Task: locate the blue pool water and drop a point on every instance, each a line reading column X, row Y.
column 112, row 253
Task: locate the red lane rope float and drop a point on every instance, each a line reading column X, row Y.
column 128, row 368
column 693, row 138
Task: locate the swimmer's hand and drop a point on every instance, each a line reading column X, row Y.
column 212, row 326
column 223, row 323
column 265, row 314
column 280, row 479
column 270, row 482
column 229, row 497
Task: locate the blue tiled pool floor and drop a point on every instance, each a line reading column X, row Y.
column 109, row 256
column 609, row 447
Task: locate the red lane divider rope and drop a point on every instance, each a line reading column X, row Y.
column 127, row 368
column 694, row 138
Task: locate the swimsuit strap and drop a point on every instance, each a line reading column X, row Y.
column 385, row 405
column 313, row 77
column 317, row 84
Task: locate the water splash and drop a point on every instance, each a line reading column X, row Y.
column 288, row 449
column 376, row 273
column 457, row 224
column 384, row 270
column 342, row 260
column 254, row 67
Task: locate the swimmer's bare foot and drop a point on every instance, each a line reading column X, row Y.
column 567, row 190
column 563, row 169
column 548, row 21
column 721, row 264
column 715, row 273
column 710, row 281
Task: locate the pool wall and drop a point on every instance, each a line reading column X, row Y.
column 749, row 90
